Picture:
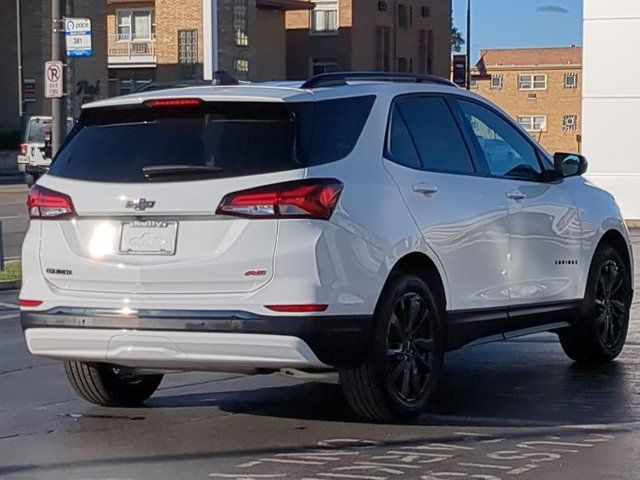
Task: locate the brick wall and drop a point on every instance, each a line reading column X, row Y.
column 356, row 45
column 555, row 102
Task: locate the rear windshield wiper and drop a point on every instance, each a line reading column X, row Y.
column 178, row 170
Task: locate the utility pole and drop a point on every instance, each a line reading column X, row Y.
column 58, row 109
column 468, row 44
column 210, row 37
column 20, row 80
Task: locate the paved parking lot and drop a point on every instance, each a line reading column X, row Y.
column 516, row 409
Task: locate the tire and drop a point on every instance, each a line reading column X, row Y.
column 600, row 332
column 403, row 371
column 109, row 385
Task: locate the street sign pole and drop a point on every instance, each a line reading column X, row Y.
column 210, row 37
column 58, row 108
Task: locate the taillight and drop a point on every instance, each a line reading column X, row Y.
column 45, row 203
column 306, row 308
column 24, row 148
column 29, row 303
column 174, row 102
column 313, row 198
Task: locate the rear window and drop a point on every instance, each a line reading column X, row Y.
column 39, row 129
column 212, row 140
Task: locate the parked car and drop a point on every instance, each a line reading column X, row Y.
column 361, row 222
column 33, row 158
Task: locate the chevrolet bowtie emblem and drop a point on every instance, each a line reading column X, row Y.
column 140, row 204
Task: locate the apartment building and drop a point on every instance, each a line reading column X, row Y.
column 387, row 35
column 160, row 40
column 540, row 87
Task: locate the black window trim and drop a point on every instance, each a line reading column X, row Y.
column 446, row 97
column 479, row 154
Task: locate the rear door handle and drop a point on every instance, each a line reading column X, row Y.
column 425, row 189
column 516, row 195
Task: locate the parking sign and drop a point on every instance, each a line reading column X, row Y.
column 53, row 82
column 77, row 33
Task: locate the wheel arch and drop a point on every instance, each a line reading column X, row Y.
column 616, row 240
column 419, row 264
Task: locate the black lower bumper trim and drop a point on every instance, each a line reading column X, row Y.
column 339, row 341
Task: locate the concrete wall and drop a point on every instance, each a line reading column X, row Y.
column 611, row 103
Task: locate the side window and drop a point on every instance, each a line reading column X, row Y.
column 439, row 142
column 506, row 151
column 401, row 149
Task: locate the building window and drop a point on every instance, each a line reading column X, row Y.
column 473, row 83
column 533, row 123
column 496, row 81
column 425, row 11
column 241, row 68
column 403, row 64
column 323, row 65
column 403, row 15
column 569, row 123
column 324, row 17
column 382, row 6
column 188, row 52
column 570, row 80
column 240, row 23
column 134, row 25
column 532, row 82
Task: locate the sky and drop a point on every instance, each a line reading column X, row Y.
column 520, row 23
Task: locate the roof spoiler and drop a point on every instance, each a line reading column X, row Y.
column 222, row 77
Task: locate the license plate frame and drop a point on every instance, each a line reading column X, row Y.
column 148, row 237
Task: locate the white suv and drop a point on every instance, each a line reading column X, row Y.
column 367, row 223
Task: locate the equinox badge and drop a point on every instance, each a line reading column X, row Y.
column 140, row 204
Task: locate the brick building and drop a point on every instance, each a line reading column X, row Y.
column 388, row 35
column 540, row 87
column 163, row 40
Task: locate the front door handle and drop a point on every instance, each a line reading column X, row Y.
column 425, row 189
column 516, row 195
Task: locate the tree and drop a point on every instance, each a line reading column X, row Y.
column 457, row 42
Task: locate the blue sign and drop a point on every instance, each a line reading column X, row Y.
column 77, row 33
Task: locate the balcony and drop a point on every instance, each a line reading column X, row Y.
column 127, row 51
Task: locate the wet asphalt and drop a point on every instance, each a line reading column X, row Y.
column 511, row 410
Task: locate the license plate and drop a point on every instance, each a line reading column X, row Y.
column 149, row 237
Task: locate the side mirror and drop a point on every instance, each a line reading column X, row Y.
column 569, row 164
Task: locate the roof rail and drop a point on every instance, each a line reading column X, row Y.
column 334, row 79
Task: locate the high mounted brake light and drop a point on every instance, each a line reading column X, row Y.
column 173, row 102
column 44, row 203
column 312, row 199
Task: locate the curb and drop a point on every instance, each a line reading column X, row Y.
column 14, row 188
column 10, row 285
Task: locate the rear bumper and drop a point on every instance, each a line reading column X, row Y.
column 202, row 340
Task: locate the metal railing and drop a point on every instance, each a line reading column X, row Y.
column 128, row 47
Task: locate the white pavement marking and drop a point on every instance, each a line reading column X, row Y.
column 9, row 316
column 9, row 305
